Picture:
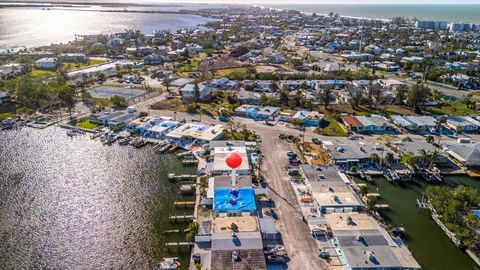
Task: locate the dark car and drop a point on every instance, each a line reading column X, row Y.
column 316, row 141
column 273, row 213
column 276, row 259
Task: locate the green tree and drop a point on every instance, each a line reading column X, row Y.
column 326, row 96
column 118, row 101
column 196, row 91
column 417, row 94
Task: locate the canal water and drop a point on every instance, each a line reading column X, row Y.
column 428, row 243
column 72, row 203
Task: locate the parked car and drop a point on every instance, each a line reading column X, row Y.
column 273, row 213
column 316, row 141
column 291, row 154
column 276, row 259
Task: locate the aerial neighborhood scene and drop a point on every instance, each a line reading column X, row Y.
column 246, row 135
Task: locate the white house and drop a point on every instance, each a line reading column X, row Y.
column 188, row 91
column 46, row 63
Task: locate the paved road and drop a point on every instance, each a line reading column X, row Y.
column 298, row 241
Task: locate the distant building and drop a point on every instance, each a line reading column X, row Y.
column 5, row 98
column 433, row 25
column 46, row 63
column 73, row 57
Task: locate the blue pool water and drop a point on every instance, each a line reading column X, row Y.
column 476, row 213
column 242, row 199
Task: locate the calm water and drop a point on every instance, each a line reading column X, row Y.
column 72, row 203
column 449, row 13
column 33, row 27
column 427, row 242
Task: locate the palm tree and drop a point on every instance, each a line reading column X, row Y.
column 430, row 139
column 374, row 157
column 433, row 157
column 370, row 204
column 424, row 156
column 363, row 191
column 389, row 158
column 407, row 158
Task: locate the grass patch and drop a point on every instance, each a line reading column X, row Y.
column 43, row 73
column 331, row 127
column 191, row 67
column 232, row 73
column 75, row 66
column 450, row 108
column 4, row 116
column 85, row 124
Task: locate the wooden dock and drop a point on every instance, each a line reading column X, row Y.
column 373, row 194
column 382, row 206
column 179, row 244
column 181, row 218
column 184, row 204
column 172, row 176
column 190, row 162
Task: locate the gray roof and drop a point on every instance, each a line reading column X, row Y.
column 467, row 153
column 358, row 257
column 242, row 241
column 252, row 259
column 214, row 144
column 355, row 151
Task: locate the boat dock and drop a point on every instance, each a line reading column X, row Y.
column 179, row 244
column 181, row 218
column 382, row 206
column 172, row 176
column 373, row 194
column 190, row 162
column 184, row 204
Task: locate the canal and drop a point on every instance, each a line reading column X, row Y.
column 427, row 242
column 72, row 203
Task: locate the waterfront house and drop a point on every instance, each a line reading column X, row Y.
column 356, row 153
column 467, row 154
column 361, row 243
column 462, row 124
column 331, row 189
column 194, row 133
column 219, row 151
column 156, row 128
column 188, row 91
column 46, row 63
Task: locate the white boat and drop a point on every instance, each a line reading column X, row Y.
column 275, row 248
column 169, row 264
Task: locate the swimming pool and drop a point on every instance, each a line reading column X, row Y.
column 242, row 199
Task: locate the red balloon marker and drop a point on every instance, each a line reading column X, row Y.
column 234, row 160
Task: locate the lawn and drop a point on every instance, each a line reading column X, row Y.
column 4, row 116
column 85, row 124
column 193, row 66
column 75, row 66
column 232, row 73
column 43, row 73
column 331, row 127
column 450, row 108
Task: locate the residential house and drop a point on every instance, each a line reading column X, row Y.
column 5, row 97
column 467, row 154
column 188, row 91
column 463, row 124
column 268, row 113
column 248, row 111
column 46, row 63
column 153, row 59
column 310, row 119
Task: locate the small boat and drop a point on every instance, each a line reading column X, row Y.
column 275, row 248
column 137, row 143
column 71, row 133
column 124, row 141
column 163, row 147
column 168, row 264
column 186, row 189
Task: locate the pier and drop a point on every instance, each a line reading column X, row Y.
column 179, row 244
column 184, row 204
column 172, row 176
column 382, row 206
column 190, row 162
column 181, row 218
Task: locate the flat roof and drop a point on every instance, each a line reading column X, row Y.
column 243, row 224
column 220, row 155
column 339, row 221
column 241, row 240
